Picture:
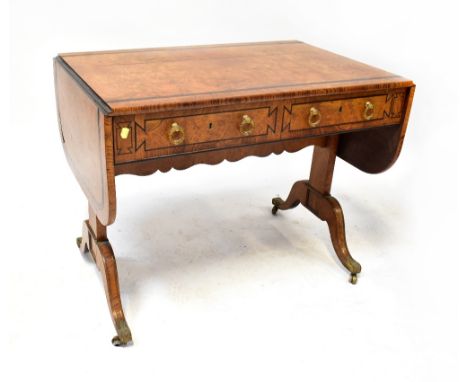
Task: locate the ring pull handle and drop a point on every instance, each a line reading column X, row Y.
column 247, row 125
column 314, row 117
column 176, row 134
column 368, row 110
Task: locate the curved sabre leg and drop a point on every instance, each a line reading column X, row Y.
column 314, row 194
column 108, row 267
column 330, row 210
column 95, row 240
column 297, row 195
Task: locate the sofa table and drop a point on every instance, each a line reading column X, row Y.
column 144, row 110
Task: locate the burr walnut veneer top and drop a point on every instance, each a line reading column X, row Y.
column 166, row 78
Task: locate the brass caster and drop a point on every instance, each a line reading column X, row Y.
column 353, row 279
column 78, row 241
column 276, row 202
column 117, row 341
column 124, row 336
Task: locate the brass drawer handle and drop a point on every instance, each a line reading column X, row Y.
column 247, row 125
column 176, row 134
column 314, row 117
column 368, row 110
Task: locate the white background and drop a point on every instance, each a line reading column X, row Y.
column 214, row 287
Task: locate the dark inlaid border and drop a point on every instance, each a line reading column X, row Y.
column 105, row 108
column 269, row 109
column 182, row 47
column 251, row 89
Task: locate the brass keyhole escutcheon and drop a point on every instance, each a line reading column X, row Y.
column 247, row 125
column 124, row 132
column 368, row 110
column 314, row 117
column 176, row 134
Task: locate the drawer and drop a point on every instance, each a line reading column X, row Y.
column 343, row 114
column 147, row 136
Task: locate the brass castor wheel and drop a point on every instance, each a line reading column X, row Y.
column 353, row 279
column 125, row 339
column 124, row 336
column 276, row 202
column 78, row 241
column 116, row 341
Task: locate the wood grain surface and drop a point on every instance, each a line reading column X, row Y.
column 182, row 77
column 87, row 141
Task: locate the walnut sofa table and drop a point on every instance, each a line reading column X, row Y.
column 139, row 111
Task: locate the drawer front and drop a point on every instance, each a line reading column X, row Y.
column 148, row 136
column 342, row 114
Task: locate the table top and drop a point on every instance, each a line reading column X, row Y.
column 184, row 77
